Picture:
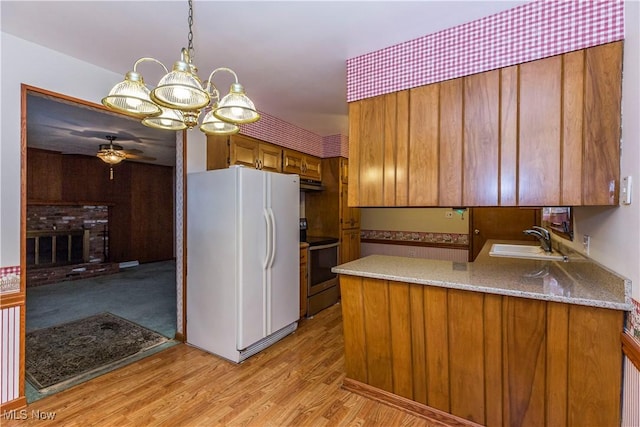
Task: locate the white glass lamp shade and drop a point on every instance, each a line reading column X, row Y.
column 111, row 154
column 132, row 97
column 236, row 107
column 168, row 120
column 180, row 90
column 211, row 125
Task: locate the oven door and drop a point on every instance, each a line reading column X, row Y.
column 321, row 260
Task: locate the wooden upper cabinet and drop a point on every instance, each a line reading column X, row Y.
column 226, row 150
column 312, row 168
column 508, row 136
column 371, row 151
column 379, row 151
column 481, row 139
column 423, row 145
column 602, row 98
column 542, row 133
column 244, row 151
column 270, row 157
column 539, row 116
column 305, row 165
column 572, row 122
column 450, row 156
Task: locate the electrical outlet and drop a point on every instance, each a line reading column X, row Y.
column 412, row 253
column 448, row 214
column 586, row 243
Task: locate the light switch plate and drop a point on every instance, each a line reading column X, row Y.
column 625, row 190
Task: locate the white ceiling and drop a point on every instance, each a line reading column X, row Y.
column 290, row 55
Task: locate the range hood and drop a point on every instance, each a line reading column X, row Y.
column 310, row 185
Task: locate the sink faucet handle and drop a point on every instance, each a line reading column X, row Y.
column 543, row 230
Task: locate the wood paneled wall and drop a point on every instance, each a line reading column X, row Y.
column 141, row 224
column 494, row 360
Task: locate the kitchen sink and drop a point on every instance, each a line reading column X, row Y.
column 524, row 251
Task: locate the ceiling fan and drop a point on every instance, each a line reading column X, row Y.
column 112, row 154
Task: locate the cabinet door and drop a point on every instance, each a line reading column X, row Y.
column 450, row 143
column 218, row 156
column 371, row 152
column 292, row 161
column 539, row 132
column 423, row 145
column 350, row 216
column 602, row 97
column 572, row 120
column 244, row 151
column 481, row 139
column 350, row 245
column 344, row 171
column 270, row 157
column 312, row 168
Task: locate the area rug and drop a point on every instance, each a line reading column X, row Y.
column 61, row 354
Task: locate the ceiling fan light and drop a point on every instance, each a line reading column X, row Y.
column 180, row 89
column 211, row 125
column 167, row 120
column 236, row 107
column 111, row 154
column 132, row 97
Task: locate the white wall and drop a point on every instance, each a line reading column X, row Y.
column 196, row 151
column 31, row 64
column 615, row 232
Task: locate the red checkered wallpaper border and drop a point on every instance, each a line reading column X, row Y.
column 525, row 33
column 9, row 279
column 276, row 131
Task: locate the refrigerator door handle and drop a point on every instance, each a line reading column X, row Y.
column 273, row 237
column 269, row 246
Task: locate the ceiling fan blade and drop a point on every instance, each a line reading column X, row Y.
column 133, row 151
column 138, row 157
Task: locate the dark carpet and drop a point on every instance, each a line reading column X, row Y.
column 63, row 353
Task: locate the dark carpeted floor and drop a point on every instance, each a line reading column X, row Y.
column 145, row 294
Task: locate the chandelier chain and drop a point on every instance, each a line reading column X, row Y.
column 190, row 20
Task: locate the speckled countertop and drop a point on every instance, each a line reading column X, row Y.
column 579, row 281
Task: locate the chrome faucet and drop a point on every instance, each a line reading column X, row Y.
column 541, row 234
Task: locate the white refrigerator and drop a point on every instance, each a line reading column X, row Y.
column 243, row 260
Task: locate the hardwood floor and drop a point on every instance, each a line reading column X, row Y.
column 296, row 382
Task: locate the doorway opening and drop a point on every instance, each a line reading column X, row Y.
column 127, row 228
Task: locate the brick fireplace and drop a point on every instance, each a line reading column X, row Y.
column 67, row 242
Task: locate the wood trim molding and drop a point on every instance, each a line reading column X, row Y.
column 13, row 405
column 416, row 243
column 404, row 404
column 183, row 333
column 631, row 349
column 12, row 300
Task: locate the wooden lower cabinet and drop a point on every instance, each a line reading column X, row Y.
column 490, row 359
column 304, row 251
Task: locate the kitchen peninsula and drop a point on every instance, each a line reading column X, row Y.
column 499, row 341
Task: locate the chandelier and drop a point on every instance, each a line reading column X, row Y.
column 179, row 97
